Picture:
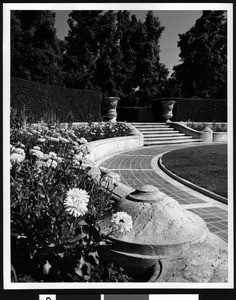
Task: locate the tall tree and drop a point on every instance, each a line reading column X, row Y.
column 203, row 71
column 82, row 49
column 35, row 52
column 115, row 52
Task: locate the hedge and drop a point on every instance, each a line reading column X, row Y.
column 40, row 101
column 195, row 110
column 134, row 114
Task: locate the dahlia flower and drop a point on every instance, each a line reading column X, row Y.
column 76, row 202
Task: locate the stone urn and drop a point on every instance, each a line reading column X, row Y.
column 167, row 106
column 111, row 108
column 162, row 229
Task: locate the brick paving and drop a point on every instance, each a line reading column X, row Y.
column 139, row 167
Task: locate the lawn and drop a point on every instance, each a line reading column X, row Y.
column 205, row 166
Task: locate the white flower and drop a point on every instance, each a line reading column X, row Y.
column 82, row 162
column 37, row 153
column 108, row 176
column 113, row 177
column 76, row 202
column 52, row 155
column 52, row 139
column 41, row 140
column 46, row 268
column 122, row 222
column 17, row 156
column 51, row 163
column 19, row 151
column 36, row 148
column 64, row 140
column 83, row 141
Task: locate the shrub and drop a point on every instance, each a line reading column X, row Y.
column 56, row 208
column 43, row 101
column 102, row 130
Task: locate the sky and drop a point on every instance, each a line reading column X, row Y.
column 175, row 22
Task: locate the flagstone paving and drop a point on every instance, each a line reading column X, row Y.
column 138, row 167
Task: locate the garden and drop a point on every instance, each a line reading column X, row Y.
column 57, row 205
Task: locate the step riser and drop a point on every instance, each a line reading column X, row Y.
column 159, row 126
column 156, row 130
column 171, row 142
column 169, row 139
column 167, row 133
column 151, row 137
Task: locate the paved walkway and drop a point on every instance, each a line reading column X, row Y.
column 138, row 167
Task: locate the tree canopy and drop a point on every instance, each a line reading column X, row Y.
column 203, row 52
column 35, row 52
column 107, row 50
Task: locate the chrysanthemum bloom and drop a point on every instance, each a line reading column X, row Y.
column 36, row 148
column 37, row 153
column 51, row 163
column 76, row 202
column 122, row 222
column 17, row 156
column 83, row 141
column 41, row 140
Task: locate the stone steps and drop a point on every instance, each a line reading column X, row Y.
column 161, row 134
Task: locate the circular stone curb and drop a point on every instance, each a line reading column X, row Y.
column 190, row 184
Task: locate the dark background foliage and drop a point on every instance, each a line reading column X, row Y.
column 40, row 101
column 120, row 55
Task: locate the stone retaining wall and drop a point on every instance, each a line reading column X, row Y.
column 105, row 147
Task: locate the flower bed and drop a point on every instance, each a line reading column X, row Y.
column 57, row 206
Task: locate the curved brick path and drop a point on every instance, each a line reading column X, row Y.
column 139, row 167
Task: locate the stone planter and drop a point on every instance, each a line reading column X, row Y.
column 167, row 109
column 111, row 108
column 162, row 229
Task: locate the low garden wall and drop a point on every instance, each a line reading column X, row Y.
column 205, row 136
column 182, row 127
column 105, row 147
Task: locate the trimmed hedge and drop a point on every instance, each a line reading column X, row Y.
column 134, row 114
column 41, row 101
column 195, row 110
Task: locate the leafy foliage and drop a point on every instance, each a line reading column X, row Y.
column 115, row 52
column 35, row 51
column 40, row 101
column 50, row 167
column 203, row 52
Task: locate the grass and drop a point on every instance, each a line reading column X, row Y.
column 205, row 166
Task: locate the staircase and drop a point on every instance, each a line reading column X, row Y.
column 162, row 133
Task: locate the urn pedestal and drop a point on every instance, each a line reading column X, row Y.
column 111, row 109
